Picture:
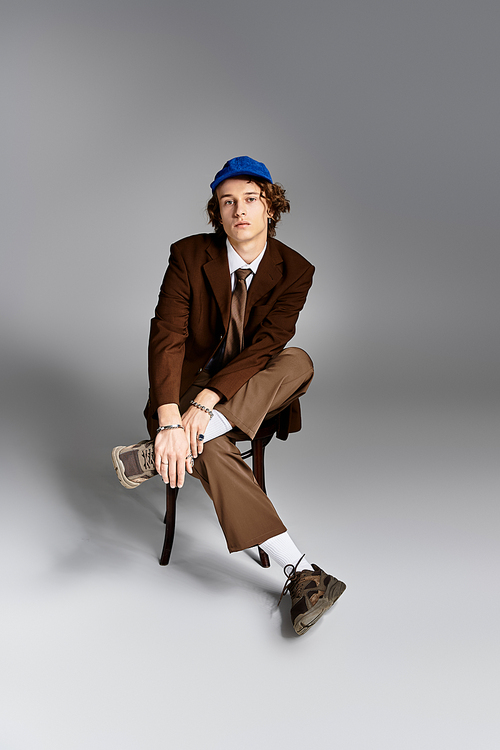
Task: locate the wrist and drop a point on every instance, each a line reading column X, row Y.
column 169, row 414
column 208, row 398
column 202, row 408
column 162, row 428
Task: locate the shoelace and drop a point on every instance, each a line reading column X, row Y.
column 149, row 456
column 290, row 577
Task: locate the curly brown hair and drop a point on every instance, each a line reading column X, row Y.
column 272, row 192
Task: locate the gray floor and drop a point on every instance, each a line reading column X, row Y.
column 102, row 648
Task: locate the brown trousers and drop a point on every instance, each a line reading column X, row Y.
column 245, row 513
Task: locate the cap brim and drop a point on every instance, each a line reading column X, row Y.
column 215, row 184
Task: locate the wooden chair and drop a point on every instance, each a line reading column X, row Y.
column 258, row 445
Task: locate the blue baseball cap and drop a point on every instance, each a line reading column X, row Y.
column 241, row 165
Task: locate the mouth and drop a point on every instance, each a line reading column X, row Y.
column 242, row 224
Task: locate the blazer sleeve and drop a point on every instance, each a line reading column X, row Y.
column 168, row 333
column 270, row 337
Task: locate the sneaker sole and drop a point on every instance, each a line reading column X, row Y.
column 120, row 469
column 334, row 590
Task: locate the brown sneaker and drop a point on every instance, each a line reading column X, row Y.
column 312, row 592
column 134, row 463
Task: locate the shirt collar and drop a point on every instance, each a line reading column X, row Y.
column 236, row 261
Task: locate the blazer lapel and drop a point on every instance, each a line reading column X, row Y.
column 217, row 273
column 268, row 274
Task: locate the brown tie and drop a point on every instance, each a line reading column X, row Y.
column 234, row 338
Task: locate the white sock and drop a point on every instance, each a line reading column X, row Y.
column 283, row 551
column 217, row 426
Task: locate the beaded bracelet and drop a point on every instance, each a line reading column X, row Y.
column 170, row 427
column 203, row 408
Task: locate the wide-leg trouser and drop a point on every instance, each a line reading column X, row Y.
column 245, row 513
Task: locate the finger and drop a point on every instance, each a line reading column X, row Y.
column 172, row 473
column 164, row 470
column 201, row 438
column 191, row 438
column 194, row 444
column 171, row 477
column 181, row 473
column 189, row 464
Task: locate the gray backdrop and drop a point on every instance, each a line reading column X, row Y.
column 380, row 117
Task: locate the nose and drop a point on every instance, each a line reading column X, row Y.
column 239, row 210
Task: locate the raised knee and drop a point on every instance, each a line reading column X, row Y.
column 300, row 357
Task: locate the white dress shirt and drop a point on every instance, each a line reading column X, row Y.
column 236, row 261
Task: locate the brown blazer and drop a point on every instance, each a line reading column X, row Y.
column 193, row 311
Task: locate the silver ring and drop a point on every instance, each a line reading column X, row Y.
column 201, row 437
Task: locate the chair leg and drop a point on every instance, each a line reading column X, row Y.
column 264, row 558
column 258, row 448
column 169, row 522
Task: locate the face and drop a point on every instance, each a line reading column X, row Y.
column 244, row 211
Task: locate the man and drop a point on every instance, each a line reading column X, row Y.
column 227, row 307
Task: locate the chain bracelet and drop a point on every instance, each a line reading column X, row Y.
column 170, row 427
column 203, row 408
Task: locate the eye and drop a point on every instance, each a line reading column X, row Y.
column 229, row 202
column 252, row 198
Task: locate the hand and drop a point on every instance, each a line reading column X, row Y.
column 195, row 421
column 172, row 457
